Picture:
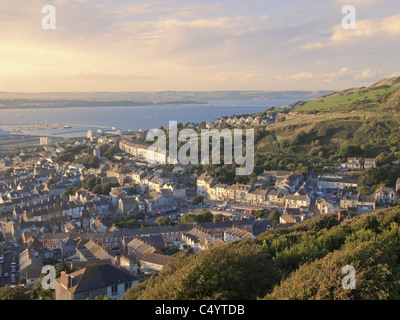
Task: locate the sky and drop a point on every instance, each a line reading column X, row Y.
column 183, row 45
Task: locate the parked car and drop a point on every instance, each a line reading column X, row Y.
column 14, row 244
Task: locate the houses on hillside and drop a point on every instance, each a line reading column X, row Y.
column 356, row 163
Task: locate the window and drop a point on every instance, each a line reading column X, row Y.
column 128, row 285
column 114, row 290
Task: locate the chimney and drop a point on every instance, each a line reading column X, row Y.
column 66, row 280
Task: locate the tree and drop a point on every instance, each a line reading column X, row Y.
column 274, row 217
column 105, row 297
column 350, row 151
column 18, row 293
column 89, row 161
column 364, row 190
column 198, row 199
column 104, row 148
column 188, row 218
column 61, row 267
column 205, row 216
column 162, row 221
column 218, row 217
column 109, row 154
column 134, row 189
column 90, row 182
column 259, row 214
column 106, row 188
column 39, row 293
column 69, row 192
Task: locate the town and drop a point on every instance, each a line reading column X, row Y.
column 96, row 205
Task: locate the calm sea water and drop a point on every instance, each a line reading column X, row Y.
column 80, row 119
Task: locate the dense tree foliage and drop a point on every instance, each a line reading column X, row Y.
column 108, row 151
column 162, row 221
column 302, row 262
column 17, row 293
column 69, row 154
column 198, row 199
column 93, row 184
column 89, row 161
column 274, row 217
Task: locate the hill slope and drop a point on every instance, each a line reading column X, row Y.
column 302, row 262
column 380, row 95
column 327, row 130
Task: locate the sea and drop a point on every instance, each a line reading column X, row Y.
column 76, row 121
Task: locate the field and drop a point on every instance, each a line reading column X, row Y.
column 347, row 100
column 18, row 141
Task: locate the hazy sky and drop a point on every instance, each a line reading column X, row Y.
column 196, row 45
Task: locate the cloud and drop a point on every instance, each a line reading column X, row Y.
column 386, row 28
column 343, row 73
column 299, row 76
column 395, row 75
column 357, row 3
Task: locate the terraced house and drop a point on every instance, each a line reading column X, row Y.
column 386, row 196
column 91, row 282
column 357, row 202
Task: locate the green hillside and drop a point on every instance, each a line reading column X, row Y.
column 325, row 131
column 377, row 97
column 302, row 262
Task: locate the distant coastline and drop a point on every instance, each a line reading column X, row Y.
column 9, row 100
column 31, row 104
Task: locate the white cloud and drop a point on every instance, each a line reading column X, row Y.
column 365, row 29
column 395, row 75
column 343, row 73
column 358, row 3
column 299, row 76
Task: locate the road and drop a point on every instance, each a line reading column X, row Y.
column 208, row 204
column 6, row 266
column 243, row 206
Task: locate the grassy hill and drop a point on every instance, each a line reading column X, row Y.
column 377, row 97
column 325, row 131
column 302, row 262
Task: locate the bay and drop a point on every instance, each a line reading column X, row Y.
column 51, row 121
